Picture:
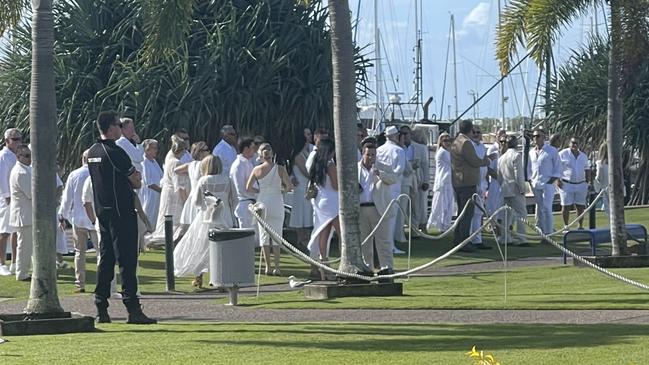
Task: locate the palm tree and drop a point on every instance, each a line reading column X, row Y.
column 344, row 93
column 539, row 22
column 43, row 297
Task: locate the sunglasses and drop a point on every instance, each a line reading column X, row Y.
column 446, row 140
column 574, row 142
column 503, row 141
column 26, row 156
column 16, row 139
column 536, row 135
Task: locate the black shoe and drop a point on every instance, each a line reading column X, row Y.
column 102, row 318
column 385, row 271
column 138, row 317
column 467, row 248
column 482, row 246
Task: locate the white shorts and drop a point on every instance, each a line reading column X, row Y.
column 573, row 194
column 4, row 218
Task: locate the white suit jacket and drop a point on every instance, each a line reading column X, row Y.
column 135, row 152
column 511, row 175
column 423, row 172
column 381, row 195
column 20, row 184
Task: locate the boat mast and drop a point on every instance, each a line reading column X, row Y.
column 457, row 111
column 502, row 84
column 418, row 96
column 377, row 77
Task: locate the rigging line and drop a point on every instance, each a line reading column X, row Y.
column 358, row 14
column 605, row 21
column 487, row 73
column 527, row 96
column 448, row 51
column 489, row 90
column 518, row 106
column 536, row 95
column 387, row 60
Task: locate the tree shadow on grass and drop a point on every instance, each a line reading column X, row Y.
column 407, row 338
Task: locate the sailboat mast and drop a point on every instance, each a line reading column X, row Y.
column 418, row 97
column 502, row 84
column 377, row 76
column 457, row 109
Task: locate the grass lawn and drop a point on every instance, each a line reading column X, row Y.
column 334, row 343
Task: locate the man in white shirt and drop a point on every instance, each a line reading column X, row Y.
column 574, row 182
column 319, row 135
column 239, row 174
column 184, row 135
column 131, row 144
column 82, row 228
column 13, row 139
column 226, row 150
column 417, row 154
column 481, row 188
column 20, row 186
column 393, row 155
column 543, row 170
column 374, row 180
column 494, row 197
column 511, row 179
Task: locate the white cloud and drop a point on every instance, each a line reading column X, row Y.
column 478, row 17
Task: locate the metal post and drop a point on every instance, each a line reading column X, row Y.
column 233, row 295
column 591, row 213
column 169, row 253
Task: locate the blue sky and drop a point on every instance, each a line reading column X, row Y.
column 477, row 70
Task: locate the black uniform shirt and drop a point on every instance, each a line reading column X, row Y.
column 109, row 169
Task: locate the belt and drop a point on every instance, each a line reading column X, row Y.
column 248, row 200
column 574, row 183
column 369, row 204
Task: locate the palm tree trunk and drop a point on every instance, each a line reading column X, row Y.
column 43, row 297
column 344, row 103
column 614, row 130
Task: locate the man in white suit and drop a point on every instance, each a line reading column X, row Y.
column 20, row 208
column 392, row 154
column 131, row 144
column 375, row 180
column 12, row 138
column 511, row 177
column 417, row 154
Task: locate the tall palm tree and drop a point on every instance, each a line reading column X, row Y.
column 43, row 297
column 539, row 22
column 344, row 98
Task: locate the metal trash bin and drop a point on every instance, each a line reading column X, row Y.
column 232, row 259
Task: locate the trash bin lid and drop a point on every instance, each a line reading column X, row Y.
column 229, row 234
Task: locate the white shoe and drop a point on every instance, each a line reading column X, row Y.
column 116, row 296
column 396, row 251
column 4, row 271
column 12, row 268
column 566, row 229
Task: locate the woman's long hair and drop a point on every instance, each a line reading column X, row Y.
column 318, row 171
column 298, row 145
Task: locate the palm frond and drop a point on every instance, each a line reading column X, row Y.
column 10, row 13
column 511, row 32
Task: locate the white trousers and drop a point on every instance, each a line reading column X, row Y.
column 369, row 218
column 543, row 198
column 24, row 254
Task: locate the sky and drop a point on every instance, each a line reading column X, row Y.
column 477, row 70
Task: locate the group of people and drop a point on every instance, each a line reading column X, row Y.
column 464, row 167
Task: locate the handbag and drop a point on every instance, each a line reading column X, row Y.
column 311, row 191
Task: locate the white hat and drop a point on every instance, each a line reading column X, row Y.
column 391, row 130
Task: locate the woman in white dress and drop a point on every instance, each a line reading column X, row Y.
column 175, row 189
column 441, row 210
column 151, row 176
column 271, row 179
column 191, row 255
column 301, row 210
column 199, row 151
column 601, row 177
column 325, row 204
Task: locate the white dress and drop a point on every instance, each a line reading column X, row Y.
column 151, row 175
column 301, row 210
column 325, row 207
column 191, row 255
column 189, row 209
column 170, row 200
column 270, row 195
column 441, row 209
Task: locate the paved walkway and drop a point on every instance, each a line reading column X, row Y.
column 203, row 307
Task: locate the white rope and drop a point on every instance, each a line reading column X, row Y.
column 591, row 206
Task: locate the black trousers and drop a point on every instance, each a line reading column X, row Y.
column 463, row 228
column 118, row 243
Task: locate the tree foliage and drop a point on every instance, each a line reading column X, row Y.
column 263, row 66
column 579, row 103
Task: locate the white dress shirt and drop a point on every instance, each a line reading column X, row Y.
column 239, row 174
column 71, row 202
column 20, row 185
column 574, row 168
column 365, row 180
column 135, row 152
column 544, row 164
column 481, row 151
column 392, row 155
column 7, row 161
column 226, row 152
column 310, row 158
column 186, row 158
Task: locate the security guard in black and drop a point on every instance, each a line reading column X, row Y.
column 110, row 168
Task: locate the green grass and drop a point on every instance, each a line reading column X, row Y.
column 334, row 343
